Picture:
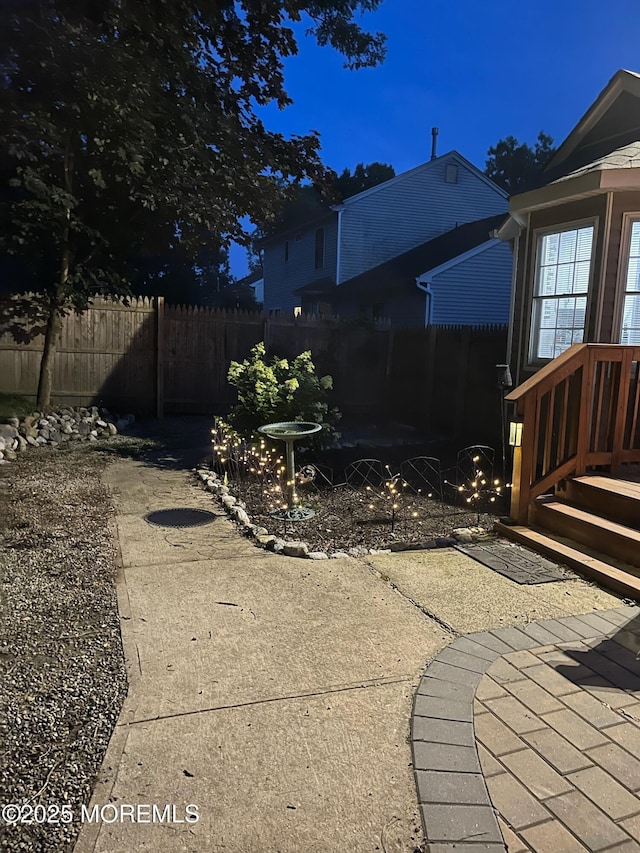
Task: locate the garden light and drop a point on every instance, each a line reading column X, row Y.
column 515, row 433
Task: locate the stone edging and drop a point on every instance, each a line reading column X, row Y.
column 238, row 512
column 58, row 426
column 456, row 809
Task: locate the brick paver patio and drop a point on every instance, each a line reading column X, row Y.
column 529, row 739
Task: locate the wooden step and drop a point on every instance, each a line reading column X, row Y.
column 607, row 537
column 612, row 498
column 595, row 568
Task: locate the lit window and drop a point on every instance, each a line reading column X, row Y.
column 297, row 311
column 630, row 330
column 560, row 293
column 319, row 255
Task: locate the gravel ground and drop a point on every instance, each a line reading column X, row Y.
column 62, row 672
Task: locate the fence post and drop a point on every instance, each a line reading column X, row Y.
column 461, row 381
column 389, row 372
column 160, row 356
column 265, row 334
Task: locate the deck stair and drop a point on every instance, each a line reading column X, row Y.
column 576, row 491
column 591, row 523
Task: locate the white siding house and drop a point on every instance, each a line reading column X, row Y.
column 472, row 289
column 377, row 225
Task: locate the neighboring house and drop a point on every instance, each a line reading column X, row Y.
column 461, row 277
column 255, row 281
column 576, row 238
column 305, row 267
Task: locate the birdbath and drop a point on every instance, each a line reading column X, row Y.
column 290, row 432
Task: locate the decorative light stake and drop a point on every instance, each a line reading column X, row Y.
column 290, row 432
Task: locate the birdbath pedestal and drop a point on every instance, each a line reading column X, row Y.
column 290, row 432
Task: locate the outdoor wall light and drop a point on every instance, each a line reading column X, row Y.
column 515, row 433
column 504, row 376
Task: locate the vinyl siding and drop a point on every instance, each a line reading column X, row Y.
column 282, row 277
column 404, row 308
column 475, row 291
column 412, row 210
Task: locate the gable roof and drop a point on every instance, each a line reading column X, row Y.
column 612, row 121
column 423, row 167
column 617, row 171
column 627, row 157
column 416, row 262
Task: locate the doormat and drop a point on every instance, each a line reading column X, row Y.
column 180, row 517
column 516, row 563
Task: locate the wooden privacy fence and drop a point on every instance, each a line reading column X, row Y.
column 149, row 357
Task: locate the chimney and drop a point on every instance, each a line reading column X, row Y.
column 434, row 142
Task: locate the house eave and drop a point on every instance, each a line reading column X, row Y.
column 574, row 189
column 622, row 80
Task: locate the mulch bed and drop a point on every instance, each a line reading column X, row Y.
column 62, row 671
column 356, row 518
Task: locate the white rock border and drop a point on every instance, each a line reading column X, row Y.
column 294, row 548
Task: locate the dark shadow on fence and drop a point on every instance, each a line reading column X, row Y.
column 149, row 358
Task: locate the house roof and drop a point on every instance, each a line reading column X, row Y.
column 423, row 167
column 622, row 83
column 626, row 157
column 252, row 277
column 434, row 253
column 614, row 172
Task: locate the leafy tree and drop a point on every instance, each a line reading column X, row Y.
column 515, row 166
column 132, row 124
column 280, row 390
column 363, row 178
column 182, row 276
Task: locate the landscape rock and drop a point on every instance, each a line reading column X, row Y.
column 337, row 555
column 462, row 534
column 228, row 501
column 266, row 541
column 446, row 541
column 241, row 516
column 277, row 546
column 295, row 549
column 7, row 431
column 318, row 555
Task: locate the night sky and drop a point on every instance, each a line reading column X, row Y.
column 477, row 71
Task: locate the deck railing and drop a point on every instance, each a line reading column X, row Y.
column 579, row 411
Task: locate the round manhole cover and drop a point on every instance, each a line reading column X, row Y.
column 179, row 517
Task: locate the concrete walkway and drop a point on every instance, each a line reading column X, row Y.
column 275, row 694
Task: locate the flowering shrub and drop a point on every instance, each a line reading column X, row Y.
column 280, row 390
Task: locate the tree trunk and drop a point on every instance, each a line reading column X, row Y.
column 54, row 323
column 52, row 335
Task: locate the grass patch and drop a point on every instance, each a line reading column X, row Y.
column 14, row 405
